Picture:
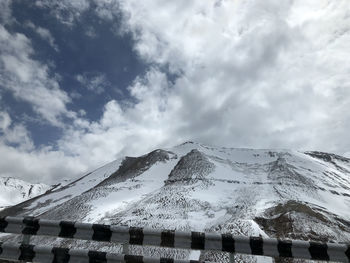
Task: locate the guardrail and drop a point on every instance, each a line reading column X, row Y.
column 47, row 254
column 165, row 238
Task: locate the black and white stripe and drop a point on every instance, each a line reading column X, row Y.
column 67, row 229
column 46, row 254
column 177, row 239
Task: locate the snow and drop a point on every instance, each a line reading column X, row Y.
column 206, row 220
column 239, row 155
column 256, row 230
column 74, row 189
column 261, row 259
column 194, row 255
column 131, row 191
column 14, row 191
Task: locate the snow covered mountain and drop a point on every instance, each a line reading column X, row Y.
column 275, row 193
column 14, row 191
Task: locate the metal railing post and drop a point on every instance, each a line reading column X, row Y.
column 125, row 249
column 26, row 239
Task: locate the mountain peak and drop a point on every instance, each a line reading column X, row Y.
column 275, row 193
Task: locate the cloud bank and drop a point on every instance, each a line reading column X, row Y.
column 261, row 74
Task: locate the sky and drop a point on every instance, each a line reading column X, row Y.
column 85, row 82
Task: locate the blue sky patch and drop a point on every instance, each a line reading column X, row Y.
column 92, row 63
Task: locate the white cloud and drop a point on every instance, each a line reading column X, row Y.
column 43, row 165
column 95, row 82
column 6, row 12
column 16, row 134
column 29, row 80
column 20, row 158
column 5, row 120
column 249, row 74
column 44, row 34
column 125, row 129
column 19, row 137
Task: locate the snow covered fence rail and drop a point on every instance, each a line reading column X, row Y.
column 178, row 239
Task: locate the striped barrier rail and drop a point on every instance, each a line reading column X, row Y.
column 178, row 239
column 46, row 254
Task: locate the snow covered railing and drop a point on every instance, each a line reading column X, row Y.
column 176, row 239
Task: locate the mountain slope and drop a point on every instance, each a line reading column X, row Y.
column 14, row 191
column 276, row 193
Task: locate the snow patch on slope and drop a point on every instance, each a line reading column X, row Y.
column 73, row 189
column 130, row 191
column 14, row 191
